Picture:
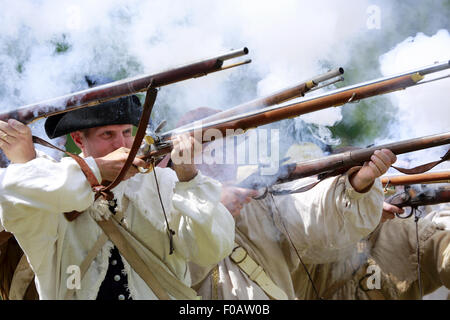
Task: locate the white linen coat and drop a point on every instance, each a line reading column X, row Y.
column 34, row 195
column 323, row 223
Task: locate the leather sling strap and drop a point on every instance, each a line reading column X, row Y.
column 22, row 277
column 88, row 260
column 146, row 112
column 256, row 273
column 425, row 167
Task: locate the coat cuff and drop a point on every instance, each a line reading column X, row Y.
column 350, row 191
column 94, row 167
column 196, row 181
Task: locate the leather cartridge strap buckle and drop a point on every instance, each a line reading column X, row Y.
column 256, row 273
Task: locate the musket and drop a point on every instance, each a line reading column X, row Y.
column 339, row 163
column 420, row 195
column 159, row 145
column 423, row 178
column 113, row 90
column 292, row 92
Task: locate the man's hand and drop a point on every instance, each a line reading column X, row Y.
column 389, row 212
column 234, row 198
column 379, row 163
column 111, row 164
column 182, row 156
column 16, row 141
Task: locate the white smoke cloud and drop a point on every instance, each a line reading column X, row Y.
column 425, row 109
column 287, row 41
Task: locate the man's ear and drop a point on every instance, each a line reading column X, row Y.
column 77, row 138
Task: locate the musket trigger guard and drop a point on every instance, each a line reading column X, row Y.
column 407, row 216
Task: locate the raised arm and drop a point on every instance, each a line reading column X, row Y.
column 335, row 214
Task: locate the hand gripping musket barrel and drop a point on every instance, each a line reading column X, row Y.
column 281, row 96
column 114, row 90
column 339, row 163
column 159, row 145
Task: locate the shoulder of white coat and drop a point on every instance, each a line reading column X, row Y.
column 42, row 154
column 166, row 174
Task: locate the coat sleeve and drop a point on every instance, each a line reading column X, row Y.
column 205, row 228
column 329, row 218
column 34, row 194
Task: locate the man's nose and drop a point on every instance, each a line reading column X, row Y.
column 119, row 141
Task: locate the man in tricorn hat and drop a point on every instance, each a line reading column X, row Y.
column 74, row 259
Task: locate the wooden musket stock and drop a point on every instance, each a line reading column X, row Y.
column 340, row 163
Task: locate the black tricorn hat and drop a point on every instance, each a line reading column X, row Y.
column 124, row 110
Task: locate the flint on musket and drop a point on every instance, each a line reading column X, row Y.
column 96, row 95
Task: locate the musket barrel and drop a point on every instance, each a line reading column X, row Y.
column 260, row 117
column 272, row 99
column 431, row 177
column 341, row 162
column 114, row 90
column 435, row 68
column 272, row 114
column 329, row 75
column 358, row 157
column 334, row 98
column 233, row 54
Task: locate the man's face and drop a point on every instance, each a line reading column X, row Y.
column 100, row 141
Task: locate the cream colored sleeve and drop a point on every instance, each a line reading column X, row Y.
column 394, row 248
column 329, row 218
column 32, row 196
column 205, row 227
